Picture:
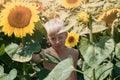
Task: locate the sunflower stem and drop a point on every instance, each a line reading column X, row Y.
column 90, row 29
column 94, row 78
column 91, row 36
column 112, row 30
column 24, row 71
column 82, row 73
column 23, row 40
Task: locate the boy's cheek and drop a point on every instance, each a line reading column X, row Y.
column 52, row 43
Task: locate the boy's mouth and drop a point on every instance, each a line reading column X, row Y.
column 57, row 45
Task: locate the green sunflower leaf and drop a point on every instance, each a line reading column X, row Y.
column 57, row 72
column 40, row 28
column 96, row 27
column 11, row 76
column 2, row 51
column 22, row 54
column 101, row 71
column 51, row 58
column 11, row 49
column 97, row 53
column 117, row 50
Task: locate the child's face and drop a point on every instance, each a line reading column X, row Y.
column 58, row 40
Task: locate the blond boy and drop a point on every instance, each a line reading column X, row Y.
column 57, row 40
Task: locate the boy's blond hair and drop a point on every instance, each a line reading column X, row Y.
column 53, row 26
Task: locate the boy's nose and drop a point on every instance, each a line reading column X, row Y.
column 57, row 41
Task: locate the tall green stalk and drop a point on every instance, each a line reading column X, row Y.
column 94, row 78
column 90, row 29
column 112, row 30
column 82, row 73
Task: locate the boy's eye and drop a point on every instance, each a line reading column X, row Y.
column 53, row 38
column 60, row 37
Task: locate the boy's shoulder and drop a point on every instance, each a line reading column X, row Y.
column 44, row 51
column 73, row 51
column 47, row 50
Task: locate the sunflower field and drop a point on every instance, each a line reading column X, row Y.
column 93, row 28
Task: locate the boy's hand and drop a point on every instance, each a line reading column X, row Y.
column 35, row 58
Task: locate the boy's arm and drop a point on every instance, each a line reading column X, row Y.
column 76, row 55
column 37, row 57
column 73, row 75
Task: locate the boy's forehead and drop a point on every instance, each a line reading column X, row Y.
column 56, row 35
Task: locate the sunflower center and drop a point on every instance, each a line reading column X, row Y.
column 71, row 39
column 19, row 16
column 71, row 1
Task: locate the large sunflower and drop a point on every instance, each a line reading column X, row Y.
column 19, row 18
column 109, row 16
column 72, row 39
column 71, row 3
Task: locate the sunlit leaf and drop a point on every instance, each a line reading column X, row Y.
column 62, row 70
column 11, row 49
column 117, row 50
column 101, row 71
column 94, row 4
column 97, row 53
column 96, row 27
column 21, row 57
column 70, row 23
column 63, row 14
column 22, row 54
column 11, row 76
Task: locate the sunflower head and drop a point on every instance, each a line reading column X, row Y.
column 89, row 0
column 72, row 39
column 18, row 18
column 83, row 16
column 71, row 3
column 109, row 16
